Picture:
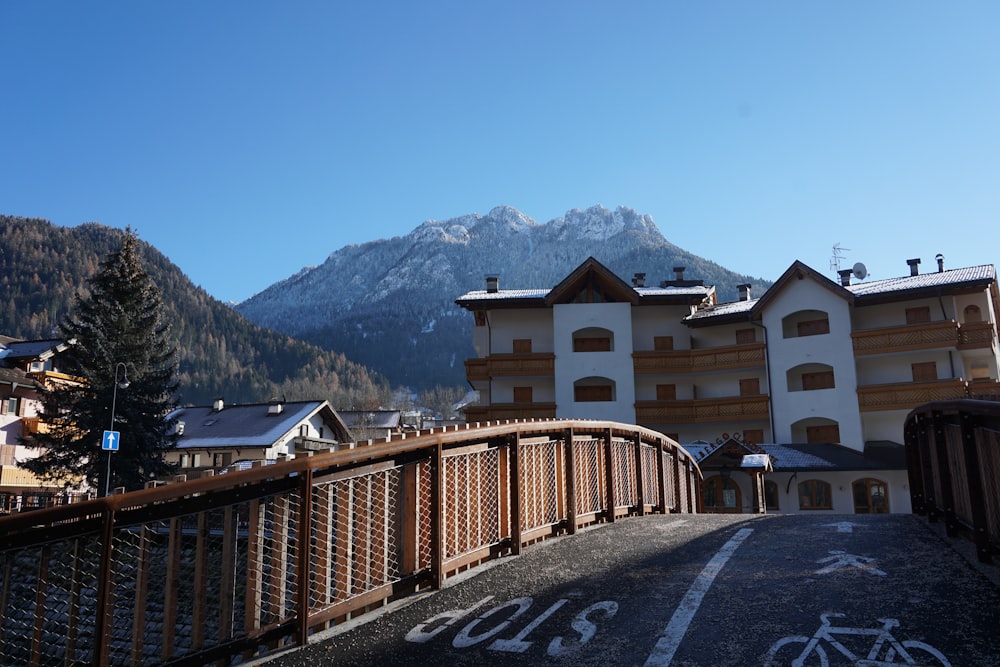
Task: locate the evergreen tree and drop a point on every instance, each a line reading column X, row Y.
column 120, row 349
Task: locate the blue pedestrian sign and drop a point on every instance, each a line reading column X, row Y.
column 110, row 442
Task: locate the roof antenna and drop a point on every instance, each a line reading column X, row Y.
column 838, row 254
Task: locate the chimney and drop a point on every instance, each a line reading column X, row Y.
column 845, row 276
column 275, row 408
column 914, row 263
column 493, row 283
column 744, row 291
column 639, row 280
column 218, row 404
column 179, row 428
column 679, row 273
column 940, row 260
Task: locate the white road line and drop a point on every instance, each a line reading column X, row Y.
column 672, row 635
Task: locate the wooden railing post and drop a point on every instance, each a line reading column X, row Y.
column 640, row 492
column 661, row 478
column 303, row 533
column 974, row 483
column 570, row 458
column 947, row 501
column 609, row 473
column 515, row 493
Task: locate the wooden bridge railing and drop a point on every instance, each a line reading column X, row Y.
column 235, row 566
column 953, row 457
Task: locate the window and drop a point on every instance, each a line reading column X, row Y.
column 920, row 315
column 185, row 460
column 749, row 387
column 871, row 496
column 824, row 433
column 746, row 336
column 522, row 395
column 771, row 495
column 592, row 393
column 12, row 405
column 522, row 345
column 925, row 371
column 972, row 314
column 593, row 339
column 666, row 392
column 196, row 461
column 753, row 436
column 221, row 460
column 663, row 343
column 813, row 327
column 721, row 495
column 817, row 380
column 814, row 494
column 591, row 344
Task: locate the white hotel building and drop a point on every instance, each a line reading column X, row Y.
column 818, row 374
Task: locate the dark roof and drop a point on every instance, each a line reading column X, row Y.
column 31, row 349
column 816, row 456
column 250, row 425
column 371, row 418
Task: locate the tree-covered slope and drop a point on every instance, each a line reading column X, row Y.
column 43, row 266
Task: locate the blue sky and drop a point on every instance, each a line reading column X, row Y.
column 246, row 140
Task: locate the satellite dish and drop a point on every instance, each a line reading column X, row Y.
column 859, row 271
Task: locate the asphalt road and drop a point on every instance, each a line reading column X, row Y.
column 706, row 590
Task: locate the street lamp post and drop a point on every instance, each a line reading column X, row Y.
column 114, row 398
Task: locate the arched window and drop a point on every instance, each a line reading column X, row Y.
column 810, row 377
column 721, row 495
column 805, row 323
column 814, row 494
column 972, row 314
column 871, row 496
column 593, row 390
column 593, row 339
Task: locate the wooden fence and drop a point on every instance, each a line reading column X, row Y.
column 231, row 567
column 953, row 457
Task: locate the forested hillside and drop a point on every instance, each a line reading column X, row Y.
column 42, row 267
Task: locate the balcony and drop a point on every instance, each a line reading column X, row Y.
column 931, row 335
column 730, row 357
column 702, row 410
column 499, row 411
column 976, row 335
column 532, row 364
column 908, row 395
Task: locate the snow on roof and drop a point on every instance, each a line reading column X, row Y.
column 983, row 272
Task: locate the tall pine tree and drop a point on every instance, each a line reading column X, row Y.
column 120, row 348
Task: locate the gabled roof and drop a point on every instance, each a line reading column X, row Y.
column 252, row 425
column 371, row 418
column 800, row 271
column 684, row 292
column 594, row 274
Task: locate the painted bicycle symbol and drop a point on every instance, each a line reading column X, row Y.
column 886, row 649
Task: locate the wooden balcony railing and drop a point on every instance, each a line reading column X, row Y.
column 909, row 337
column 690, row 361
column 908, row 395
column 501, row 411
column 702, row 410
column 974, row 335
column 511, row 365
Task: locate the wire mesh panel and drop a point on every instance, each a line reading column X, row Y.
column 48, row 607
column 591, row 482
column 471, row 501
column 669, row 475
column 650, row 475
column 623, row 458
column 357, row 541
column 541, row 484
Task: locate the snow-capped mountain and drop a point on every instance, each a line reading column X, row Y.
column 389, row 304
